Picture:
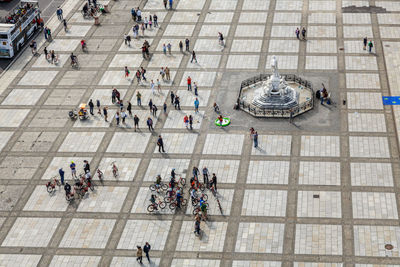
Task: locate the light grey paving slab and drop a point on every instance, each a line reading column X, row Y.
column 137, row 232
column 67, row 260
column 246, row 45
column 322, row 5
column 28, row 260
column 242, row 62
column 255, row 5
column 35, row 141
column 8, row 200
column 357, row 18
column 104, row 95
column 114, row 78
column 207, row 45
column 31, row 232
column 319, row 173
column 81, row 142
column 389, row 32
column 249, row 31
column 87, row 233
column 370, row 147
column 12, row 117
column 264, row 203
column 64, row 163
column 129, row 142
column 357, row 32
column 212, row 30
column 77, row 78
column 161, row 60
column 178, row 143
column 362, row 80
column 273, row 145
column 366, row 122
column 213, row 237
column 321, row 46
column 358, row 100
column 287, row 46
column 163, row 167
column 75, row 31
column 317, row 264
column 293, row 18
column 205, row 62
column 17, row 167
column 374, row 205
column 260, row 237
column 130, row 60
column 253, row 17
column 388, row 19
column 321, row 32
column 389, row 5
column 323, row 146
column 104, row 199
column 65, row 97
column 175, row 119
column 127, row 168
column 356, row 3
column 256, row 264
column 225, row 170
column 184, row 17
column 157, row 98
column 360, row 63
column 285, row 62
column 37, row 78
column 219, row 17
column 323, row 204
column 370, row 240
column 4, row 137
column 278, row 172
column 50, row 118
column 194, row 262
column 322, row 18
column 223, row 144
column 201, row 78
column 130, row 261
column 61, row 45
column 187, row 98
column 289, row 5
column 198, row 5
column 223, row 5
column 179, row 30
column 321, row 62
column 319, row 239
column 354, row 47
column 371, row 174
column 40, row 200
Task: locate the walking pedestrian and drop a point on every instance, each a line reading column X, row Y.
column 138, row 76
column 136, row 121
column 133, row 13
column 165, row 107
column 177, row 103
column 370, row 45
column 189, row 83
column 164, row 49
column 150, row 105
column 169, row 46
column 205, row 175
column 172, row 97
column 152, row 87
column 146, row 22
column 162, row 73
column 187, row 44
column 138, row 98
column 59, row 13
column 197, row 227
column 105, row 112
column 150, row 124
column 91, row 107
column 61, row 172
column 186, row 121
column 255, row 139
column 291, row 116
column 126, row 72
column 167, row 74
column 98, row 106
column 165, row 3
column 65, row 25
column 303, row 33
column 45, row 33
column 139, row 255
column 72, row 166
column 143, row 72
column 146, row 250
column 117, row 118
column 196, row 105
column 170, row 4
column 155, row 18
column 214, row 181
column 158, row 86
column 193, row 57
column 365, row 41
column 195, row 89
column 160, row 144
column 191, row 122
column 45, row 53
column 181, row 46
column 123, row 116
column 155, row 110
column 139, row 14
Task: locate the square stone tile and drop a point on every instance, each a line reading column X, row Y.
column 322, row 5
column 104, row 95
column 87, row 233
column 65, row 97
column 283, row 31
column 131, row 261
column 109, row 30
column 31, row 232
column 371, row 174
column 8, row 196
column 357, row 18
column 4, row 137
column 104, row 199
column 40, row 200
column 242, row 62
column 360, row 63
column 12, row 117
column 320, row 239
column 184, row 17
column 63, row 45
column 153, row 5
column 198, row 5
column 246, row 45
column 278, row 172
column 142, row 201
column 260, row 237
column 127, row 168
column 320, row 146
column 389, row 32
column 289, row 5
column 81, row 142
column 223, row 5
column 255, row 5
column 161, row 60
column 225, row 170
column 388, row 19
column 321, row 62
column 273, row 145
column 129, row 143
column 50, row 118
column 292, row 18
column 212, row 30
column 175, row 119
column 158, row 99
column 77, row 78
column 225, row 197
column 250, row 30
column 164, row 167
column 64, row 162
column 187, row 98
column 66, row 260
column 374, row 205
column 357, row 3
column 203, row 79
column 311, row 173
column 100, row 44
column 322, row 204
column 219, row 17
column 223, row 144
column 322, row 18
column 357, row 32
column 213, row 237
column 372, row 147
column 75, row 31
column 317, row 264
column 264, row 203
column 195, row 262
column 359, row 100
column 27, row 260
column 366, row 122
column 205, row 62
column 256, row 264
column 362, row 80
column 206, row 45
column 388, row 5
column 14, row 168
column 320, row 32
column 115, row 78
column 179, row 30
column 287, row 46
column 370, row 240
column 37, row 78
column 137, row 232
column 285, row 62
column 354, row 47
column 130, row 60
column 321, row 46
column 35, row 141
column 178, row 143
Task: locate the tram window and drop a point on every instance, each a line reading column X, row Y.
column 3, row 36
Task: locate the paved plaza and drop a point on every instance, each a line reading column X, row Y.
column 321, row 192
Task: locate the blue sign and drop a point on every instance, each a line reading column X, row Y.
column 391, row 100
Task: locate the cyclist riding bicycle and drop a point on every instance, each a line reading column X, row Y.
column 193, row 194
column 73, row 59
column 173, row 173
column 172, row 182
column 67, row 189
column 153, row 201
column 83, row 44
column 85, row 8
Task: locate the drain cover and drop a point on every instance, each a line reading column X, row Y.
column 389, row 246
column 315, row 196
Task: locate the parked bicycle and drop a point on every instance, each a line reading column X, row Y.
column 51, row 185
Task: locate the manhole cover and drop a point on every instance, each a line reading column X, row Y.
column 315, row 196
column 341, row 48
column 389, row 246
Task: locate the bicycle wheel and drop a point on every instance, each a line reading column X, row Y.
column 205, row 197
column 168, row 199
column 69, row 198
column 164, row 187
column 91, row 186
column 182, row 181
column 150, row 208
column 202, row 187
column 58, row 183
column 196, row 211
column 184, row 202
column 172, row 206
column 49, row 189
column 162, row 205
column 152, row 187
